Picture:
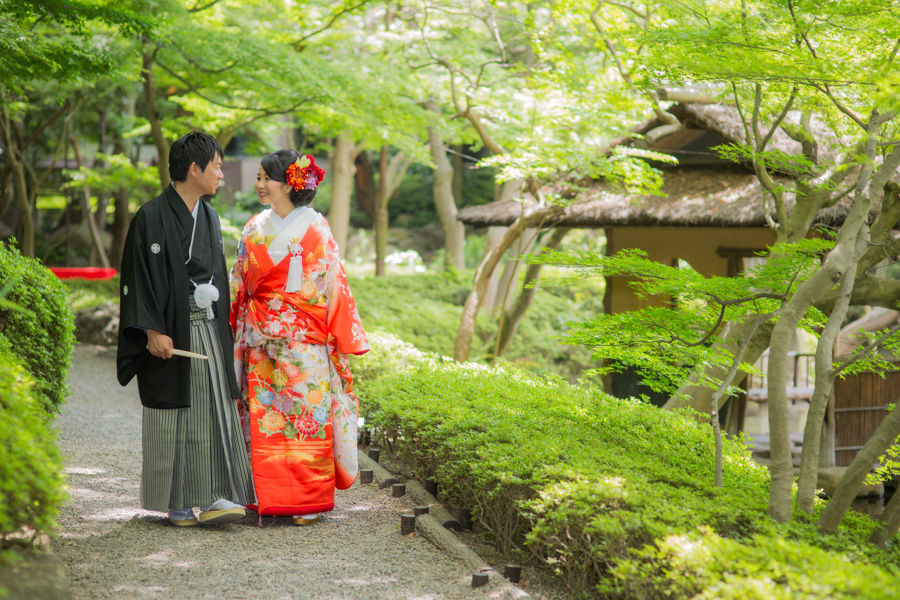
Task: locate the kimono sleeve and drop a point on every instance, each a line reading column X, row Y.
column 345, row 329
column 143, row 279
column 143, row 286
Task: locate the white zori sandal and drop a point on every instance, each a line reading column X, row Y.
column 307, row 519
column 222, row 511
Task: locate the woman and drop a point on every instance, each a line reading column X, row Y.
column 295, row 322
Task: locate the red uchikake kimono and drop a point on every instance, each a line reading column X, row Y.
column 295, row 322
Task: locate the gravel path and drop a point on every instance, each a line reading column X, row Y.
column 114, row 549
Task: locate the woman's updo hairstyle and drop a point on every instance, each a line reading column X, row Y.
column 298, row 171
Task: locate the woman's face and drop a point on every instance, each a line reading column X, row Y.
column 271, row 191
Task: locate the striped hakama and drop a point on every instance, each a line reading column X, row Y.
column 194, row 456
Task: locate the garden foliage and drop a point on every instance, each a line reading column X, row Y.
column 31, row 480
column 424, row 310
column 41, row 336
column 612, row 493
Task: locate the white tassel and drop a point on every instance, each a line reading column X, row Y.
column 295, row 269
column 204, row 296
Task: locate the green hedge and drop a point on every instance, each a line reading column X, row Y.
column 31, row 480
column 602, row 489
column 43, row 338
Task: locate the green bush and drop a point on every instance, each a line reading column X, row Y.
column 705, row 566
column 424, row 310
column 388, row 354
column 31, row 480
column 590, row 484
column 42, row 338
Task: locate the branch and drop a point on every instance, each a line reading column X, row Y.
column 865, row 350
column 888, row 216
column 827, row 91
column 887, row 170
column 444, row 62
column 802, row 34
column 778, row 121
column 628, row 7
column 334, row 18
column 68, row 104
column 762, row 175
column 268, row 111
column 197, row 66
column 598, row 25
column 198, row 8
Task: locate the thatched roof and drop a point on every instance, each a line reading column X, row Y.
column 694, row 197
column 724, row 122
column 711, row 193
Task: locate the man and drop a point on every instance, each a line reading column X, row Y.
column 174, row 298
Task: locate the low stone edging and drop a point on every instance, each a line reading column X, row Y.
column 434, row 527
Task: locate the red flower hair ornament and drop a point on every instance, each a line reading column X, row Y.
column 304, row 174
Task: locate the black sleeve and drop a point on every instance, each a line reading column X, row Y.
column 143, row 283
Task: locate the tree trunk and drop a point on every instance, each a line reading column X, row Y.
column 853, row 478
column 466, row 332
column 96, row 242
column 492, row 238
column 14, row 160
column 454, row 231
column 342, row 170
column 24, row 207
column 834, row 266
column 824, row 384
column 365, row 185
column 513, row 315
column 889, row 523
column 121, row 221
column 458, row 166
column 826, row 450
column 509, row 190
column 521, row 247
column 121, row 211
column 156, row 131
column 381, row 213
column 392, row 173
column 6, row 190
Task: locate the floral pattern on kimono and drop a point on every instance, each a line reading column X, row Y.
column 298, row 409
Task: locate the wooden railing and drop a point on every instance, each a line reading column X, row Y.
column 799, row 386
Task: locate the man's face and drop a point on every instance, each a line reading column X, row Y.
column 209, row 178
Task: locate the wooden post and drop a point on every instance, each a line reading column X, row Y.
column 365, row 475
column 407, row 524
column 465, row 518
column 479, row 579
column 375, row 453
column 513, row 573
column 398, row 490
column 421, row 510
column 431, row 487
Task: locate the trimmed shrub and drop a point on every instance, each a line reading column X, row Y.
column 590, row 484
column 388, row 354
column 706, row 566
column 31, row 480
column 42, row 339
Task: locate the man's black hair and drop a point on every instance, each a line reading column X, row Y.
column 194, row 147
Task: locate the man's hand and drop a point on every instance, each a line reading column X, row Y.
column 159, row 344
